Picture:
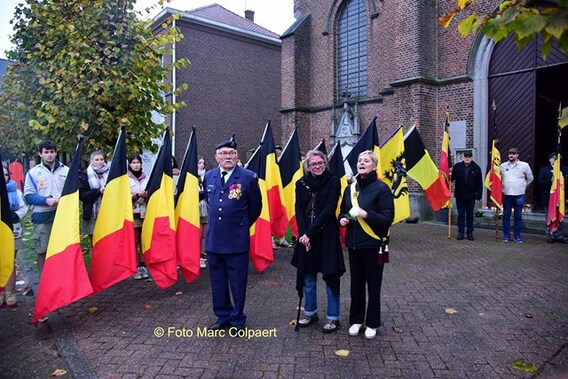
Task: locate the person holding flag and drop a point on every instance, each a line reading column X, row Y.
column 367, row 211
column 42, row 190
column 469, row 188
column 138, row 181
column 18, row 210
column 235, row 203
column 545, row 179
column 318, row 248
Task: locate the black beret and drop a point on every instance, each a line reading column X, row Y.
column 467, row 153
column 552, row 155
column 229, row 143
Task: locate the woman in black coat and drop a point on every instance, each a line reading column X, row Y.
column 318, row 248
column 367, row 212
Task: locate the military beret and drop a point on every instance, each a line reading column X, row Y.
column 552, row 155
column 229, row 143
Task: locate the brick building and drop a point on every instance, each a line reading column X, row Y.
column 365, row 57
column 233, row 77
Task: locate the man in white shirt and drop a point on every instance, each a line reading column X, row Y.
column 516, row 175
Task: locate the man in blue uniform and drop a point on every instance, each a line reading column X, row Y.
column 235, row 203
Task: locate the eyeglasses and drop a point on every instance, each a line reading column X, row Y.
column 227, row 153
column 316, row 164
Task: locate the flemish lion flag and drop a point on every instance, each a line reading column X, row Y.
column 114, row 250
column 6, row 236
column 556, row 202
column 64, row 278
column 158, row 229
column 188, row 226
column 291, row 171
column 369, row 140
column 394, row 174
column 261, row 252
column 421, row 167
column 493, row 178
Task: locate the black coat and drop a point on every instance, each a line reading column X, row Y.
column 376, row 198
column 87, row 195
column 469, row 181
column 325, row 255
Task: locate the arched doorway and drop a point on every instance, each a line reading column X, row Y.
column 527, row 91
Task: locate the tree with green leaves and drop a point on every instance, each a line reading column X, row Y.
column 525, row 19
column 83, row 68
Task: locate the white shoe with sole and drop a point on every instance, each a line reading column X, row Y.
column 370, row 333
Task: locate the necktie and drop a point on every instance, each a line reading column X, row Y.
column 223, row 174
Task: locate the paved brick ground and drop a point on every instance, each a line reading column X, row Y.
column 493, row 287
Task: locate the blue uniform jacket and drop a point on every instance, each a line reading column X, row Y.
column 233, row 208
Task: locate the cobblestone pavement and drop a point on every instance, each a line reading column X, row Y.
column 511, row 302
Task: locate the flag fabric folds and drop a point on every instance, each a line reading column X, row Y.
column 7, row 255
column 278, row 216
column 493, row 178
column 158, row 229
column 188, row 232
column 321, row 147
column 369, row 140
column 421, row 167
column 291, row 171
column 114, row 249
column 337, row 167
column 445, row 159
column 394, row 174
column 64, row 278
column 261, row 252
column 556, row 202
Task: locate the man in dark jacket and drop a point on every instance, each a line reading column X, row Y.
column 468, row 189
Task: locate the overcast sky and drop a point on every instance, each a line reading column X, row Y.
column 274, row 15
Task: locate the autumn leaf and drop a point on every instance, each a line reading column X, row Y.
column 342, row 352
column 450, row 311
column 93, row 310
column 147, row 306
column 521, row 364
column 292, row 322
column 179, row 293
column 528, row 315
column 397, row 329
column 59, row 372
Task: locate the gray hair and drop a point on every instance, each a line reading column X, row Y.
column 315, row 153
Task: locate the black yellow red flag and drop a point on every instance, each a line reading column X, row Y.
column 158, row 229
column 421, row 167
column 64, row 277
column 369, row 140
column 6, row 236
column 261, row 252
column 188, row 233
column 114, row 248
column 291, row 171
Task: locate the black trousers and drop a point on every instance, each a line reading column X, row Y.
column 365, row 272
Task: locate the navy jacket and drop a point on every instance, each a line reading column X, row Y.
column 469, row 181
column 233, row 208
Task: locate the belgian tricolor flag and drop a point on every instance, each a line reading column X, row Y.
column 556, row 202
column 64, row 278
column 321, row 147
column 6, row 236
column 261, row 252
column 188, row 233
column 445, row 156
column 421, row 167
column 158, row 229
column 114, row 249
column 291, row 171
column 369, row 140
column 278, row 216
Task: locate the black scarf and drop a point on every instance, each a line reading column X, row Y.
column 315, row 183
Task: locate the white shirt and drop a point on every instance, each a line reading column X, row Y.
column 515, row 177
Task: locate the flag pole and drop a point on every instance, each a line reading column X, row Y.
column 496, row 215
column 447, row 130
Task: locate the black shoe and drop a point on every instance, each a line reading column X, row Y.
column 218, row 325
column 460, row 237
column 308, row 320
column 470, row 237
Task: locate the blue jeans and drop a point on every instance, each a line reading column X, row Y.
column 311, row 294
column 516, row 204
column 465, row 215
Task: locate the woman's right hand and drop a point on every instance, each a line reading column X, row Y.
column 344, row 221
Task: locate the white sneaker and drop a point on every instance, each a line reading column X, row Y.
column 202, row 263
column 370, row 333
column 355, row 329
